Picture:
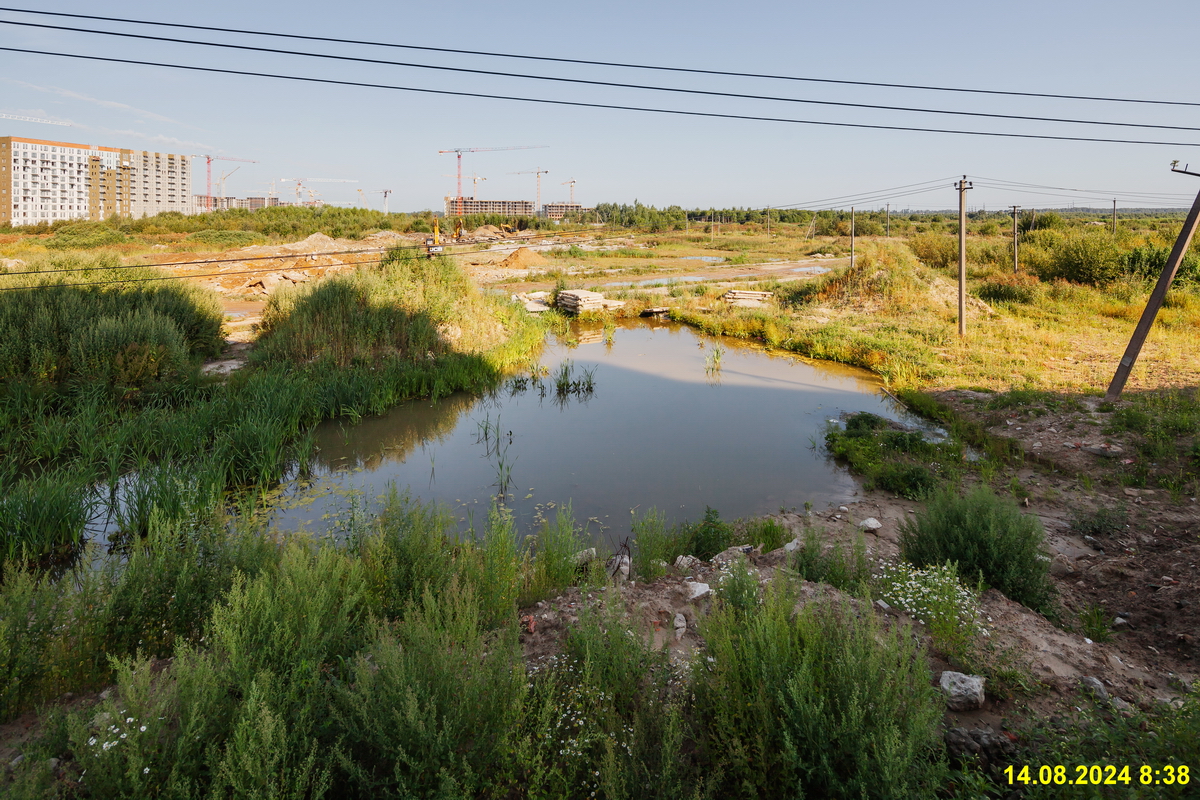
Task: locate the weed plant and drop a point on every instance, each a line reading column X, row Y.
column 710, row 536
column 898, row 461
column 987, row 538
column 843, row 568
column 767, row 533
column 656, row 544
column 824, row 702
column 937, row 598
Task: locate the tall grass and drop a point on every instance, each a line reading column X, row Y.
column 821, row 703
column 988, row 538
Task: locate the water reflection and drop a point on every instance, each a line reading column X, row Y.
column 660, row 425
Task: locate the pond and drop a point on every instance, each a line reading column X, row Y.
column 673, row 420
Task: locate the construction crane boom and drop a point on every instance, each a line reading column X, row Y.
column 208, row 200
column 460, row 150
column 19, row 118
column 299, row 181
column 537, row 209
column 572, row 184
column 385, row 193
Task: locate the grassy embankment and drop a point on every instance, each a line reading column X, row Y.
column 105, row 417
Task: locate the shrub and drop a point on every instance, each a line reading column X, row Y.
column 655, row 544
column 710, row 536
column 1020, row 288
column 769, row 533
column 840, row 567
column 988, row 538
column 1087, row 258
column 824, row 703
column 937, row 251
column 131, row 350
column 84, row 236
column 226, row 238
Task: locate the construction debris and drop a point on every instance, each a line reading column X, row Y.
column 746, row 299
column 578, row 301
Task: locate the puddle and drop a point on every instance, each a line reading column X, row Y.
column 710, row 259
column 659, row 281
column 660, row 429
column 812, row 270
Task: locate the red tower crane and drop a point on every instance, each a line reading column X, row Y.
column 460, row 150
column 208, row 200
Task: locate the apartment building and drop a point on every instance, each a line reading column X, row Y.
column 42, row 180
column 457, row 207
column 560, row 210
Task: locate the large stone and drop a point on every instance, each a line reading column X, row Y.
column 685, row 563
column 680, row 626
column 1061, row 566
column 870, row 524
column 791, row 546
column 960, row 746
column 1094, row 686
column 963, row 692
column 697, row 590
column 618, row 568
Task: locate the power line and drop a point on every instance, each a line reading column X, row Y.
column 586, row 62
column 608, row 84
column 853, row 197
column 607, row 106
column 1093, row 191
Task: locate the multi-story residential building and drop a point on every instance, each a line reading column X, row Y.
column 457, row 207
column 47, row 181
column 560, row 210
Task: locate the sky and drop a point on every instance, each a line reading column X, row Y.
column 389, row 139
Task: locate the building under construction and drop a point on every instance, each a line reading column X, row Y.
column 560, row 210
column 461, row 206
column 45, row 181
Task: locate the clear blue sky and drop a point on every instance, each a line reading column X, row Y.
column 389, row 139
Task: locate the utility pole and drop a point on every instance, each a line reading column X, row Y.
column 768, row 222
column 1114, row 216
column 1016, row 265
column 889, row 220
column 962, row 187
column 1156, row 298
column 851, row 237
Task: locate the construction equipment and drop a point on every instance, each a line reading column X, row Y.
column 475, row 179
column 35, row 119
column 300, row 181
column 385, row 193
column 460, row 150
column 458, row 228
column 537, row 209
column 362, row 197
column 572, row 183
column 221, row 184
column 208, row 196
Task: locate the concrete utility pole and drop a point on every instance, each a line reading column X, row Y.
column 889, row 220
column 1156, row 298
column 1114, row 216
column 1016, row 264
column 851, row 237
column 962, row 187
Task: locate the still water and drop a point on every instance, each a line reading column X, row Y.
column 669, row 424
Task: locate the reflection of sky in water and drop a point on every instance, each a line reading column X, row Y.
column 659, row 431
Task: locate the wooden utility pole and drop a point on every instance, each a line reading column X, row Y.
column 1016, row 264
column 768, row 222
column 851, row 237
column 1156, row 298
column 962, row 187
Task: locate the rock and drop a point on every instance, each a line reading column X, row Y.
column 883, row 605
column 107, row 693
column 662, row 565
column 52, row 763
column 870, row 524
column 1061, row 566
column 585, row 556
column 1094, row 687
column 680, row 626
column 16, row 762
column 686, row 563
column 961, row 746
column 1120, row 622
column 697, row 590
column 996, row 748
column 1123, row 708
column 1106, row 450
column 731, row 554
column 963, row 692
column 618, row 568
column 102, row 719
column 794, row 544
column 843, row 508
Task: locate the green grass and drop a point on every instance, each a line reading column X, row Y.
column 842, row 567
column 897, row 461
column 988, row 538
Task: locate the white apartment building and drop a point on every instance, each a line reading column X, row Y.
column 48, row 181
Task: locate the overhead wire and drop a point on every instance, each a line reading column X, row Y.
column 606, row 106
column 849, row 197
column 609, row 84
column 622, row 65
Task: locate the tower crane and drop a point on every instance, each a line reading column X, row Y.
column 572, row 184
column 35, row 119
column 221, row 184
column 385, row 193
column 474, row 179
column 362, row 197
column 300, row 181
column 460, row 150
column 537, row 209
column 208, row 196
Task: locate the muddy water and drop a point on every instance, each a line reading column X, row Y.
column 662, row 428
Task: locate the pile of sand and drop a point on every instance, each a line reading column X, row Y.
column 485, row 231
column 523, row 258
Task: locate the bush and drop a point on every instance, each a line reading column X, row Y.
column 84, row 236
column 939, row 252
column 988, row 538
column 843, row 568
column 655, row 544
column 824, row 703
column 227, row 238
column 1020, row 288
column 710, row 536
column 1088, row 258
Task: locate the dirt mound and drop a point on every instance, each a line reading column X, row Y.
column 523, row 258
column 486, row 230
